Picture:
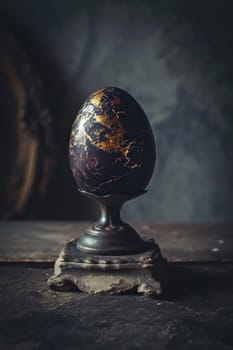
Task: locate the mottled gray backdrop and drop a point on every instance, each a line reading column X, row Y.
column 175, row 57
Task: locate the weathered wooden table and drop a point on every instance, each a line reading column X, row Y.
column 196, row 311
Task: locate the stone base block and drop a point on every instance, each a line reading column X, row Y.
column 144, row 273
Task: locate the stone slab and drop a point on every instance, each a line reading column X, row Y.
column 144, row 273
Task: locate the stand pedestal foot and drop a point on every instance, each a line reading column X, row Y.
column 143, row 273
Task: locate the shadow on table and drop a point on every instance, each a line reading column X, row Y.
column 198, row 280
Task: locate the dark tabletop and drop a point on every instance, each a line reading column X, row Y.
column 195, row 312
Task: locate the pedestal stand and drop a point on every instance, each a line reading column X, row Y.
column 110, row 257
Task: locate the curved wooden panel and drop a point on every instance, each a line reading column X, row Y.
column 26, row 142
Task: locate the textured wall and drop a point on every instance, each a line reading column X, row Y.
column 175, row 58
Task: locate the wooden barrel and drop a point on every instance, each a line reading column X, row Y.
column 26, row 140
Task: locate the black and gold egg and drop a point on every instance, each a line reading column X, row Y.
column 112, row 148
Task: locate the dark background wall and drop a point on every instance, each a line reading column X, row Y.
column 176, row 59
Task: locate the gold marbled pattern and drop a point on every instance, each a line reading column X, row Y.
column 103, row 144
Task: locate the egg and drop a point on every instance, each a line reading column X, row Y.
column 112, row 148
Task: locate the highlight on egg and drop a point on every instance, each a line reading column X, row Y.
column 112, row 148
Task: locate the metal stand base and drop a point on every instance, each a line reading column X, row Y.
column 144, row 273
